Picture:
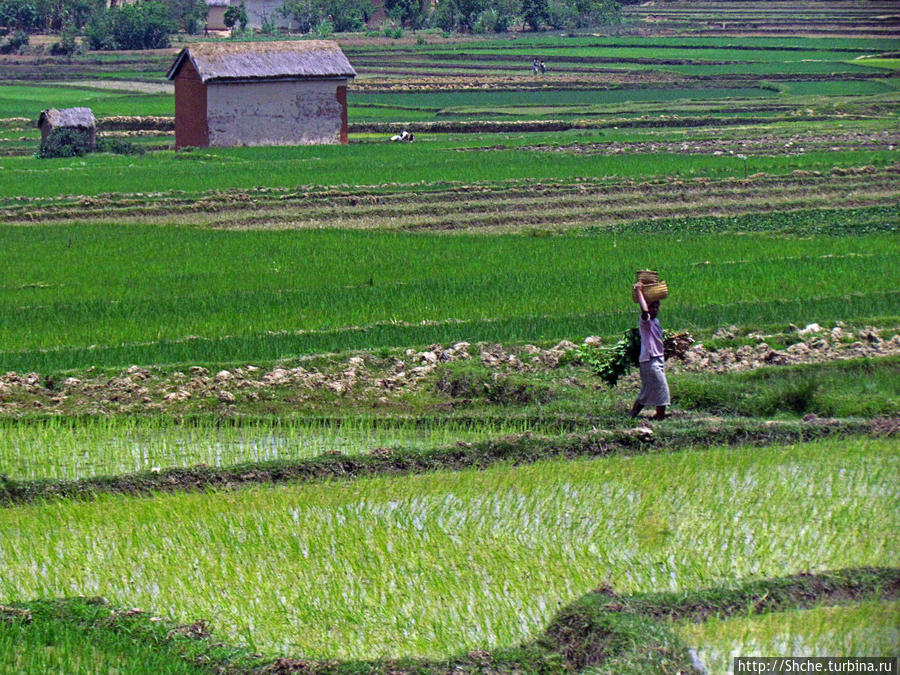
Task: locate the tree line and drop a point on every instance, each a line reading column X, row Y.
column 464, row 16
column 148, row 24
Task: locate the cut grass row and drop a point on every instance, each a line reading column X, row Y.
column 444, row 103
column 317, row 570
column 301, row 167
column 514, row 206
column 550, row 40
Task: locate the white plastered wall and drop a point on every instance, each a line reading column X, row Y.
column 274, row 113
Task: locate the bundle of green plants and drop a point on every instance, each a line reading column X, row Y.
column 612, row 363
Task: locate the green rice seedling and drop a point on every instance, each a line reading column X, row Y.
column 373, row 164
column 868, row 628
column 501, row 99
column 269, row 295
column 843, row 88
column 689, row 42
column 28, row 100
column 448, row 562
column 66, row 450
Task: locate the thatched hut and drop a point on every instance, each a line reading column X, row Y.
column 81, row 120
column 261, row 93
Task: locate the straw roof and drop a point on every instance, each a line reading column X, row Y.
column 68, row 117
column 295, row 59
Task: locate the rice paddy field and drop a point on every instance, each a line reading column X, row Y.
column 867, row 628
column 295, row 570
column 343, row 409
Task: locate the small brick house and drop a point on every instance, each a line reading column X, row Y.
column 80, row 120
column 261, row 93
column 215, row 15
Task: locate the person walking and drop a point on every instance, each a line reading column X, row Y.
column 654, row 387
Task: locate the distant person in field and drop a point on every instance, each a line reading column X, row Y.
column 654, row 388
column 542, row 67
column 535, row 66
column 404, row 136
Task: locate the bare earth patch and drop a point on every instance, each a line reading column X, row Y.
column 120, row 85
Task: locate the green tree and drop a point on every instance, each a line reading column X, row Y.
column 68, row 44
column 345, row 15
column 304, row 14
column 458, row 15
column 20, row 15
column 190, row 15
column 598, row 12
column 536, row 13
column 80, row 12
column 147, row 24
column 143, row 25
column 236, row 15
column 445, row 16
column 98, row 30
column 410, row 13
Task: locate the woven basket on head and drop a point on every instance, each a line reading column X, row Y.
column 653, row 292
column 647, row 276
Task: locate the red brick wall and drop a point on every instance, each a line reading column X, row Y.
column 190, row 108
column 342, row 99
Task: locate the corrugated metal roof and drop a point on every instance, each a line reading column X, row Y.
column 68, row 117
column 218, row 61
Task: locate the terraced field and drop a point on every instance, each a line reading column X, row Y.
column 790, row 19
column 346, row 409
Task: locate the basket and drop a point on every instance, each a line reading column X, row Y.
column 647, row 276
column 653, row 292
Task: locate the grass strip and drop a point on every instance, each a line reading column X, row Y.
column 621, row 634
column 515, row 450
column 799, row 591
column 49, row 636
column 864, row 627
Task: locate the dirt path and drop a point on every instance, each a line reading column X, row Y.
column 120, row 85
